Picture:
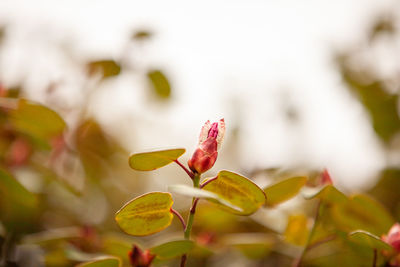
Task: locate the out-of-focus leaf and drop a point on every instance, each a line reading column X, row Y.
column 159, row 83
column 255, row 250
column 370, row 240
column 96, row 149
column 251, row 245
column 213, row 219
column 107, row 68
column 18, row 206
column 199, row 193
column 362, row 212
column 296, row 230
column 237, row 190
column 386, row 191
column 116, row 246
column 327, row 193
column 172, row 249
column 146, row 214
column 105, row 261
column 380, row 104
column 149, row 161
column 284, row 190
column 141, row 35
column 37, row 121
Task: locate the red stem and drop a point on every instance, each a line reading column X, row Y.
column 177, row 214
column 190, row 173
column 208, row 181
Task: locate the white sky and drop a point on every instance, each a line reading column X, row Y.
column 232, row 59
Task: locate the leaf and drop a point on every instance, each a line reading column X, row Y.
column 146, row 214
column 141, row 35
column 328, row 193
column 362, row 212
column 296, row 230
column 172, row 249
column 149, row 161
column 18, row 206
column 254, row 251
column 37, row 121
column 238, row 190
column 107, row 68
column 199, row 193
column 370, row 240
column 159, row 83
column 284, row 190
column 105, row 261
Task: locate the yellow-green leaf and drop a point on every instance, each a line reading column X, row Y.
column 329, row 194
column 237, row 190
column 362, row 212
column 37, row 121
column 149, row 161
column 172, row 249
column 18, row 206
column 284, row 190
column 159, row 83
column 146, row 214
column 296, row 231
column 107, row 68
column 370, row 240
column 102, row 262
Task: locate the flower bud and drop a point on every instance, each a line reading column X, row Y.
column 210, row 140
column 139, row 258
column 393, row 237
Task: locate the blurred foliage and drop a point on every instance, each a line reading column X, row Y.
column 62, row 181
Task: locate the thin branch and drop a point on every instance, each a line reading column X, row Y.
column 193, row 208
column 208, row 181
column 183, row 260
column 297, row 262
column 375, row 258
column 177, row 214
column 190, row 173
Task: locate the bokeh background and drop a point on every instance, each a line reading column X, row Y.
column 302, row 85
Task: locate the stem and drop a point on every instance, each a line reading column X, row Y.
column 183, row 260
column 297, row 263
column 375, row 258
column 190, row 173
column 177, row 214
column 188, row 229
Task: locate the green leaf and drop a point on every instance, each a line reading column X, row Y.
column 107, row 68
column 18, row 206
column 237, row 190
column 362, row 212
column 149, row 161
column 146, row 214
column 159, row 83
column 328, row 194
column 370, row 240
column 102, row 262
column 37, row 121
column 172, row 249
column 296, row 231
column 199, row 193
column 284, row 190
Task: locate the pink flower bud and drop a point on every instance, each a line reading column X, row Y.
column 210, row 140
column 393, row 237
column 139, row 258
column 326, row 177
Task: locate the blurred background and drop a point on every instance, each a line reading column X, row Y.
column 302, row 85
